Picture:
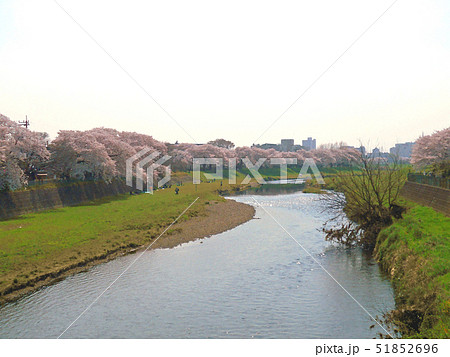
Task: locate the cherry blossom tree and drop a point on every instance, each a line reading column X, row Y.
column 141, row 141
column 222, row 143
column 336, row 154
column 325, row 157
column 434, row 151
column 99, row 153
column 254, row 154
column 183, row 154
column 117, row 148
column 181, row 160
column 22, row 154
column 78, row 155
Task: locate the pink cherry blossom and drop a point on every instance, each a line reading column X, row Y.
column 432, row 150
column 22, row 153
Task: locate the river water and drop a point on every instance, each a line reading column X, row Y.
column 253, row 281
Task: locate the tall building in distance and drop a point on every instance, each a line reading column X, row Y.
column 309, row 144
column 402, row 150
column 362, row 149
column 287, row 145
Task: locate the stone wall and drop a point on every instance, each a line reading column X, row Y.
column 435, row 197
column 13, row 204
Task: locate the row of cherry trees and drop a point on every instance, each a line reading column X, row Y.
column 183, row 155
column 101, row 153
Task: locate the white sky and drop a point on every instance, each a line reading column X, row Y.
column 229, row 69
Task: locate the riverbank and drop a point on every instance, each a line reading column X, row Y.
column 42, row 248
column 415, row 252
column 411, row 243
column 230, row 286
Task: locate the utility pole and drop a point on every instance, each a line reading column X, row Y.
column 25, row 123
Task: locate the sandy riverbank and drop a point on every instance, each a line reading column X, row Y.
column 216, row 217
column 219, row 217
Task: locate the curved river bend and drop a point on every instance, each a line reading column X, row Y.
column 253, row 281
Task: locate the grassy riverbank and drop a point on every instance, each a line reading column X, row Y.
column 415, row 251
column 36, row 249
column 411, row 243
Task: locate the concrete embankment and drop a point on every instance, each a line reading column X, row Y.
column 13, row 204
column 435, row 197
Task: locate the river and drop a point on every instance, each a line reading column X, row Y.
column 253, row 281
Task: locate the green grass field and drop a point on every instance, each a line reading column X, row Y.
column 46, row 242
column 415, row 250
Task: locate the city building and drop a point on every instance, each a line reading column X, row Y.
column 287, row 145
column 377, row 153
column 309, row 144
column 269, row 146
column 403, row 150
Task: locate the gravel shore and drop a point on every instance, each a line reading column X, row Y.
column 220, row 217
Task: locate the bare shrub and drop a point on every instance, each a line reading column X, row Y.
column 369, row 196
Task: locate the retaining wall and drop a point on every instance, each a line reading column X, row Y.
column 435, row 197
column 13, row 204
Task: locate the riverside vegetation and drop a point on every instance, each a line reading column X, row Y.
column 415, row 252
column 411, row 243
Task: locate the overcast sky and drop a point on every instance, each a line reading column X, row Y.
column 229, row 69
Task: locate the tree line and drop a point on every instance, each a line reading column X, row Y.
column 101, row 153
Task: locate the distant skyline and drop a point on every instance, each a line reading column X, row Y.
column 228, row 70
